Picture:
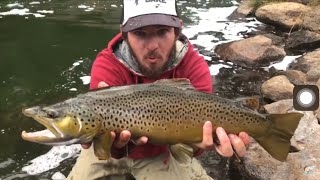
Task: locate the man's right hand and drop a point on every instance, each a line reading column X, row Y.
column 124, row 136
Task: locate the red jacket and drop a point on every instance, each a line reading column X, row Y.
column 109, row 69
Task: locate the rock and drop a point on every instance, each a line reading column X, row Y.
column 301, row 165
column 303, row 41
column 313, row 74
column 276, row 40
column 285, row 15
column 281, row 106
column 277, row 88
column 295, row 77
column 305, row 62
column 253, row 51
column 317, row 112
column 58, row 176
column 311, row 19
column 244, row 10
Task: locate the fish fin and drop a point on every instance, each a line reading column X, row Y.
column 277, row 140
column 102, row 146
column 183, row 153
column 180, row 83
column 251, row 102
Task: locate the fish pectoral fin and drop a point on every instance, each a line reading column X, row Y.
column 251, row 102
column 180, row 83
column 102, row 146
column 183, row 153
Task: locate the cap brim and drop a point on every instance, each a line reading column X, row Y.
column 150, row 19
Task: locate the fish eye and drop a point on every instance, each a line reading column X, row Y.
column 52, row 114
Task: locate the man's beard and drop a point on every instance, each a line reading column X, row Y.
column 154, row 73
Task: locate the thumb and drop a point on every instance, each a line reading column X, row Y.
column 102, row 84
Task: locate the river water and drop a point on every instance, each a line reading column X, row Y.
column 46, row 51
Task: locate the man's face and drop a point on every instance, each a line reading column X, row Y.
column 152, row 46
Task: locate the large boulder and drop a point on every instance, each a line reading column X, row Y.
column 277, row 88
column 258, row 50
column 311, row 19
column 285, row 15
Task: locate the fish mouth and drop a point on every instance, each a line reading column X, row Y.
column 50, row 136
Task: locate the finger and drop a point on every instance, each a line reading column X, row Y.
column 245, row 138
column 225, row 147
column 237, row 145
column 113, row 136
column 141, row 141
column 207, row 140
column 86, row 146
column 102, row 84
column 123, row 139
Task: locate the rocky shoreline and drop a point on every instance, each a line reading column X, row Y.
column 296, row 32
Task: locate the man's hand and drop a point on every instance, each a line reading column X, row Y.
column 124, row 136
column 228, row 143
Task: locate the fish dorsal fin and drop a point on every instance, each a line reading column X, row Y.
column 251, row 102
column 180, row 83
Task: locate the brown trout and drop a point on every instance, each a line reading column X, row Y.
column 167, row 112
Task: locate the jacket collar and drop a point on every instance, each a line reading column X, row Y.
column 122, row 52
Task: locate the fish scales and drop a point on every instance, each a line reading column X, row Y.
column 167, row 112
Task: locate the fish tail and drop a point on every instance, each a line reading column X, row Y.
column 277, row 139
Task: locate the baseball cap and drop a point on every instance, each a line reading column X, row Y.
column 140, row 13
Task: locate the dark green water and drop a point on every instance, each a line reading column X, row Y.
column 36, row 67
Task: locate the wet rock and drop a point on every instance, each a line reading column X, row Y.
column 258, row 164
column 311, row 19
column 244, row 10
column 253, row 51
column 303, row 40
column 285, row 15
column 277, row 88
column 313, row 74
column 295, row 77
column 214, row 164
column 307, row 61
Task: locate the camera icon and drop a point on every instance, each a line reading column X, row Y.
column 306, row 97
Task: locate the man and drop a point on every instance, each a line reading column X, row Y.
column 151, row 47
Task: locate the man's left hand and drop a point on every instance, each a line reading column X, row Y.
column 228, row 143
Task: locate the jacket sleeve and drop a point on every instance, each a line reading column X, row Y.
column 198, row 71
column 105, row 69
